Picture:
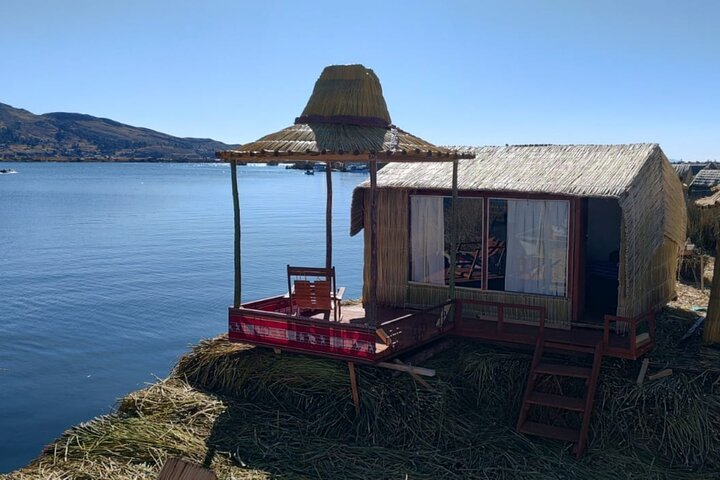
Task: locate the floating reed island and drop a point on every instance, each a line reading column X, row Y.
column 250, row 413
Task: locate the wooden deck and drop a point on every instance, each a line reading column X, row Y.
column 268, row 322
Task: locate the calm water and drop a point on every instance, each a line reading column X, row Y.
column 108, row 272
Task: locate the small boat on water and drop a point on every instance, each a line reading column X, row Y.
column 309, row 172
column 7, row 170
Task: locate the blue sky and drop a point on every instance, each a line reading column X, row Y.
column 453, row 72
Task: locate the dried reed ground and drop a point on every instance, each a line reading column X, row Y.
column 288, row 416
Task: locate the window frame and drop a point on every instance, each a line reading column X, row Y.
column 486, row 197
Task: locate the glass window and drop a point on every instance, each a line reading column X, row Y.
column 531, row 238
column 430, row 240
column 527, row 244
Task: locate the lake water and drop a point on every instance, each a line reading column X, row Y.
column 108, row 272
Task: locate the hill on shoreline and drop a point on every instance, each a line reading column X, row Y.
column 61, row 136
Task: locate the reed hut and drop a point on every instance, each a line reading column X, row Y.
column 590, row 233
column 704, row 182
column 568, row 248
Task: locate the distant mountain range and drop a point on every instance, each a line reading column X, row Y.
column 60, row 136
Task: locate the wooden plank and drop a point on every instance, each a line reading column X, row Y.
column 426, row 372
column 414, row 375
column 643, row 371
column 661, row 374
column 354, row 388
column 176, row 469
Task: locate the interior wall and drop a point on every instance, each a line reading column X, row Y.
column 603, row 228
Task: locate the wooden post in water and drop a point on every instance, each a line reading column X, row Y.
column 371, row 312
column 236, row 209
column 328, row 217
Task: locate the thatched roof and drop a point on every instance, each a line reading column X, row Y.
column 577, row 170
column 712, row 201
column 345, row 120
column 705, row 179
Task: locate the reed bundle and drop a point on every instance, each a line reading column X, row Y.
column 254, row 414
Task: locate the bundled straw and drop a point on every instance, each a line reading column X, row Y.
column 251, row 414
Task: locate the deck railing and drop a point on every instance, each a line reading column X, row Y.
column 501, row 317
column 415, row 328
column 630, row 325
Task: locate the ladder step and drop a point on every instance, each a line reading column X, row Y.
column 550, row 431
column 563, row 370
column 557, row 401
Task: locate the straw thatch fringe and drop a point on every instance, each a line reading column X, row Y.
column 313, row 139
column 653, row 230
column 393, row 247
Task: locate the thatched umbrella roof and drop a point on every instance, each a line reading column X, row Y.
column 345, row 120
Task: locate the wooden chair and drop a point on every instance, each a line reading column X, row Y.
column 318, row 295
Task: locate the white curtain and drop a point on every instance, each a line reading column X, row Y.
column 427, row 234
column 537, row 246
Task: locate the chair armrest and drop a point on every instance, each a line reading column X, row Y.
column 340, row 293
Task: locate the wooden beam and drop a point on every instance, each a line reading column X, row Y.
column 328, row 217
column 454, row 232
column 371, row 313
column 415, row 376
column 236, row 210
column 354, row 388
column 425, row 372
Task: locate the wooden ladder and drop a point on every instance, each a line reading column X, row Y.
column 583, row 406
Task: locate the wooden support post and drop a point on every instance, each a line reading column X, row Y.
column 236, row 209
column 354, row 388
column 328, row 217
column 371, row 311
column 711, row 332
column 454, row 232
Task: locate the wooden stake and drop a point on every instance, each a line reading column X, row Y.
column 236, row 210
column 354, row 388
column 662, row 373
column 328, row 217
column 643, row 371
